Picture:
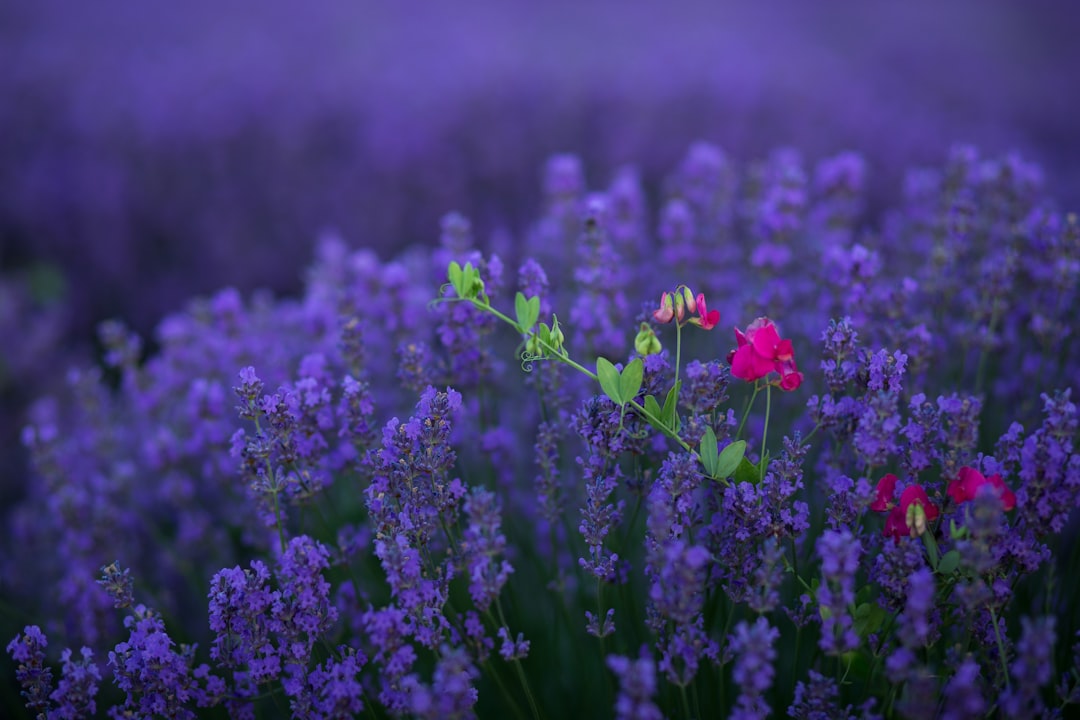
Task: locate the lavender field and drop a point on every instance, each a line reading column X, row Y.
column 513, row 361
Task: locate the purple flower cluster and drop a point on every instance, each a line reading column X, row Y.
column 252, row 457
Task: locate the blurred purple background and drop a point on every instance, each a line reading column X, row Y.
column 155, row 150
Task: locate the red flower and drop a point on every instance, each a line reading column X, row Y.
column 886, row 488
column 910, row 517
column 970, row 481
column 761, row 351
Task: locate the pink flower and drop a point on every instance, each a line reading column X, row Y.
column 707, row 319
column 666, row 312
column 886, row 488
column 911, row 515
column 969, row 482
column 676, row 305
column 761, row 351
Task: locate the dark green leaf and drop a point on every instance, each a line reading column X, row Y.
column 949, row 562
column 747, row 472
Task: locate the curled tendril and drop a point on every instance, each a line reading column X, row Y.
column 527, row 361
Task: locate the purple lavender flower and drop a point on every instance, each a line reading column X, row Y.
column 511, row 648
column 1049, row 470
column 1031, row 669
column 28, row 651
column 818, row 699
column 156, row 677
column 637, row 686
column 484, row 545
column 964, row 698
column 336, row 690
column 839, row 552
column 752, row 646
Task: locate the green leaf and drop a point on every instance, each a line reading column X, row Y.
column 869, row 617
column 630, row 380
column 730, row 459
column 747, row 472
column 931, row 548
column 527, row 311
column 708, row 453
column 454, row 274
column 473, row 285
column 534, row 311
column 653, row 413
column 544, row 334
column 609, row 379
column 949, row 562
column 670, row 412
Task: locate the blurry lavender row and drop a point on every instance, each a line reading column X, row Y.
column 153, row 153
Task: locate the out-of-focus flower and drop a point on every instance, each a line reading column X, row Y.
column 761, row 351
column 969, row 482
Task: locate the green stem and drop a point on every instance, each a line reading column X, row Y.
column 1001, row 647
column 765, row 430
column 746, row 413
column 556, row 353
column 517, row 664
column 678, row 356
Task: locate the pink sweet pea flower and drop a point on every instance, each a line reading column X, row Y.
column 760, row 351
column 707, row 319
column 911, row 516
column 676, row 305
column 970, row 481
column 886, row 488
column 666, row 312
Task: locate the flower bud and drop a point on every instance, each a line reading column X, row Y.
column 646, row 342
column 688, row 299
column 666, row 312
column 916, row 519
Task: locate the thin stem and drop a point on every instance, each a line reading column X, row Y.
column 685, row 702
column 1001, row 647
column 765, row 430
column 746, row 413
column 678, row 353
column 517, row 664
